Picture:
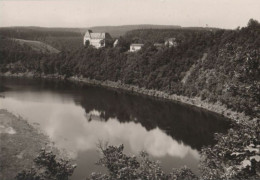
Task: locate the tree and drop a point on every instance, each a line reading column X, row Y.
column 48, row 167
column 121, row 166
column 253, row 24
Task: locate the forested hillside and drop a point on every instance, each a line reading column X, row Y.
column 228, row 72
column 68, row 39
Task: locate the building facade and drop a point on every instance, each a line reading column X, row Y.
column 135, row 47
column 171, row 42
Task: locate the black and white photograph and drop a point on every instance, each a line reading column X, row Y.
column 129, row 89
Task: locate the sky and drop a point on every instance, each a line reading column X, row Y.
column 227, row 14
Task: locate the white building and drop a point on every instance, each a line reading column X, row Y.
column 97, row 40
column 135, row 47
column 171, row 42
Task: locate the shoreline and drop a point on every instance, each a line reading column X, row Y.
column 217, row 107
column 20, row 144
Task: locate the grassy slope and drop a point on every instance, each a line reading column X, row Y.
column 38, row 46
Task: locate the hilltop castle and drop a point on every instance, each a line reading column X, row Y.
column 98, row 40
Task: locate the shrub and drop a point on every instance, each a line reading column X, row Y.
column 47, row 167
column 236, row 154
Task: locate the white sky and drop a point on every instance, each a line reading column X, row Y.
column 85, row 13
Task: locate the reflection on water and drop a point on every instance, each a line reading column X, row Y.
column 76, row 117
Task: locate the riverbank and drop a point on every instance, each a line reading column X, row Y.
column 20, row 144
column 217, row 107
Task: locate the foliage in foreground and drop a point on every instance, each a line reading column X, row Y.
column 122, row 166
column 236, row 154
column 47, row 167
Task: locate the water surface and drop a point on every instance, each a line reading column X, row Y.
column 76, row 117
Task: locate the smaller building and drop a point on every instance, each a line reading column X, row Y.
column 171, row 42
column 115, row 43
column 135, row 47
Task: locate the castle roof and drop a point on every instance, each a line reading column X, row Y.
column 98, row 35
column 92, row 35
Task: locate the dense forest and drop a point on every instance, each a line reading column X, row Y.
column 212, row 64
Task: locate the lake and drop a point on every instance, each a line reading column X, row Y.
column 77, row 117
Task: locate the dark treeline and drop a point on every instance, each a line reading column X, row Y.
column 223, row 65
column 59, row 38
column 31, row 33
